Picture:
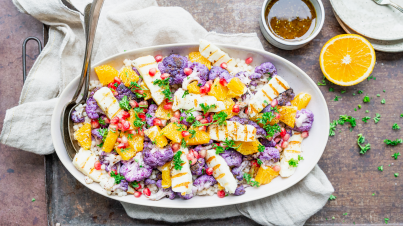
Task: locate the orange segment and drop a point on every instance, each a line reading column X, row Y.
column 197, row 57
column 201, row 137
column 247, row 148
column 83, row 136
column 162, row 113
column 128, row 75
column 155, row 135
column 194, row 88
column 236, row 88
column 218, row 91
column 173, row 131
column 347, row 60
column 106, row 74
column 110, row 140
column 287, row 115
column 166, row 175
column 136, row 144
column 265, row 175
column 301, row 100
column 229, row 104
column 147, row 91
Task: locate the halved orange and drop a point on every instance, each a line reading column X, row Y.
column 347, row 59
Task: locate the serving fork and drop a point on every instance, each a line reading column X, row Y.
column 388, row 2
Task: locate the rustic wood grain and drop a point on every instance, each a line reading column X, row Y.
column 355, row 177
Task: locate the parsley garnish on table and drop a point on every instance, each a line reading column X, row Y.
column 124, row 103
column 361, row 140
column 332, row 128
column 386, row 220
column 380, row 168
column 323, row 83
column 396, row 174
column 336, row 98
column 395, row 126
column 393, row 142
column 383, row 101
column 332, row 197
column 248, row 178
column 360, row 92
column 395, row 155
column 366, row 99
column 178, row 161
column 366, row 118
column 117, row 177
column 331, row 89
column 206, row 107
column 377, row 117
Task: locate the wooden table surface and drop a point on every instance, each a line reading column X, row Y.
column 364, row 193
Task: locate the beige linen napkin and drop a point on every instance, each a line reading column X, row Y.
column 126, row 25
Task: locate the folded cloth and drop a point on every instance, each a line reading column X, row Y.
column 125, row 25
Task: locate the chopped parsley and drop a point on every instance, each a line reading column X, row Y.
column 366, row 99
column 396, row 174
column 193, row 132
column 383, row 101
column 345, row 118
column 377, row 117
column 130, row 136
column 33, row 200
column 361, row 140
column 386, row 220
column 206, row 107
column 230, row 144
column 135, row 184
column 336, row 98
column 261, row 148
column 178, row 161
column 395, row 155
column 393, row 142
column 248, row 178
column 380, row 168
column 103, row 132
column 124, row 103
column 333, row 128
column 345, row 214
column 331, row 89
column 183, row 143
column 360, row 92
column 117, row 177
column 332, row 197
column 101, row 121
column 164, row 84
column 294, row 162
column 395, row 126
column 259, row 162
column 366, row 111
column 359, row 106
column 185, row 93
column 366, row 118
column 220, row 118
column 378, row 95
column 218, row 149
column 323, row 83
column 138, row 122
column 401, row 115
column 343, row 91
column 148, row 115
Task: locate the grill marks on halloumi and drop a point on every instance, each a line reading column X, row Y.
column 291, row 152
column 233, row 130
column 182, row 179
column 143, row 65
column 266, row 94
column 221, row 171
column 215, row 55
column 84, row 161
column 107, row 102
column 194, row 100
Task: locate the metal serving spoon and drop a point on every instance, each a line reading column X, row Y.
column 388, row 2
column 91, row 16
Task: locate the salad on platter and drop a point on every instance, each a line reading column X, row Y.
column 182, row 126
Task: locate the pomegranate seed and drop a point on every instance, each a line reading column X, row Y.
column 246, row 110
column 187, row 71
column 195, row 153
column 138, row 186
column 114, row 93
column 277, row 139
column 121, row 145
column 165, row 75
column 112, row 86
column 248, row 60
column 119, row 140
column 115, row 171
column 137, row 194
column 202, row 153
column 157, row 122
column 204, row 121
column 146, row 192
column 142, row 116
column 97, row 165
column 274, row 103
column 117, row 80
column 95, row 123
column 224, row 65
column 113, row 127
column 209, row 171
column 145, row 110
column 152, row 72
column 277, row 115
column 223, row 82
column 158, row 58
column 133, row 103
column 277, row 168
column 175, row 147
column 177, row 114
column 279, row 148
column 125, row 114
column 107, row 121
column 254, row 163
column 305, row 134
column 141, row 133
column 190, row 156
column 115, row 121
column 283, row 132
column 199, row 117
column 167, row 106
column 207, row 115
column 235, row 109
column 203, row 90
column 185, row 133
column 175, row 119
column 284, row 144
column 124, row 140
column 221, row 194
column 125, row 125
column 140, row 91
column 203, row 128
column 133, row 132
column 143, row 104
column 286, row 137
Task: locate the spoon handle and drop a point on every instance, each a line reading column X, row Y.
column 397, row 6
column 91, row 17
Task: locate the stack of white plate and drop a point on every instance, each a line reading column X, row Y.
column 381, row 25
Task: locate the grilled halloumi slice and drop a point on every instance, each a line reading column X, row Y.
column 221, row 171
column 215, row 55
column 194, row 101
column 266, row 94
column 292, row 151
column 233, row 130
column 84, row 161
column 143, row 65
column 107, row 102
column 182, row 179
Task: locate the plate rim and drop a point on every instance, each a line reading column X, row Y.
column 55, row 125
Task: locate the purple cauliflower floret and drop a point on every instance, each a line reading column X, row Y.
column 255, row 76
column 200, row 70
column 232, row 157
column 259, row 130
column 185, row 197
column 123, row 185
column 124, row 91
column 198, row 167
column 204, row 182
column 174, row 65
column 151, row 110
column 267, row 143
column 285, row 97
column 269, row 156
column 149, row 181
column 204, row 146
column 167, row 192
column 77, row 117
column 184, row 115
column 240, row 190
column 135, row 171
column 109, row 160
column 158, row 156
column 92, row 108
column 238, row 171
column 219, row 72
column 238, row 119
column 267, row 109
column 96, row 134
column 303, row 120
column 266, row 68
